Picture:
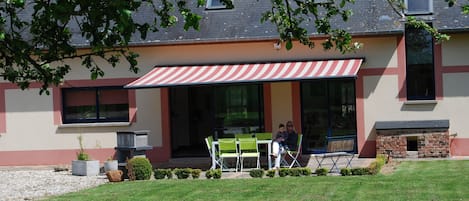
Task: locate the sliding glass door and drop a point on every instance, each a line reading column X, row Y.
column 221, row 111
column 328, row 110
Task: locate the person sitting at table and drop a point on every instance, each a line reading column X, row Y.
column 291, row 137
column 277, row 148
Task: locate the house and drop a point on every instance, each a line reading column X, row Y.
column 401, row 89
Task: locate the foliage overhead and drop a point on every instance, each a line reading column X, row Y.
column 36, row 35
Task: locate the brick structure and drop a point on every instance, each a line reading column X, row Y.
column 393, row 137
column 433, row 145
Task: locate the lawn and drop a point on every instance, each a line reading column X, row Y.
column 423, row 180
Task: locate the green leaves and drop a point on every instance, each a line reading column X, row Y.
column 290, row 21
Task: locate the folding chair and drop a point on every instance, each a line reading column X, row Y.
column 295, row 154
column 228, row 149
column 248, row 149
column 208, row 142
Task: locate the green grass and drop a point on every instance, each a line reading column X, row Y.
column 423, row 180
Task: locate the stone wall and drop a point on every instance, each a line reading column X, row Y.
column 395, row 144
column 430, row 142
column 435, row 145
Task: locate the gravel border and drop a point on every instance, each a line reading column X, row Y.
column 37, row 184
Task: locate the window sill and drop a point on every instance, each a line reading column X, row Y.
column 85, row 125
column 420, row 102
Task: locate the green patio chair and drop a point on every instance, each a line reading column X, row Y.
column 248, row 149
column 208, row 142
column 243, row 135
column 264, row 136
column 228, row 149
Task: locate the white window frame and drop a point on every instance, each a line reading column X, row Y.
column 210, row 6
column 420, row 12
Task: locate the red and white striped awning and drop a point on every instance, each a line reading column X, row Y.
column 241, row 73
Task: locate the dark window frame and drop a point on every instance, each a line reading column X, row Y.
column 412, row 76
column 98, row 118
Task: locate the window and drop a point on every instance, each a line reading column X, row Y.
column 420, row 73
column 328, row 110
column 418, row 7
column 215, row 4
column 95, row 104
column 240, row 108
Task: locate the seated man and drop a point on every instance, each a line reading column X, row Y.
column 291, row 137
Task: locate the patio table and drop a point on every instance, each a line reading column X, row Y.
column 269, row 151
column 334, row 157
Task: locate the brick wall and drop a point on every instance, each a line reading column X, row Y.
column 430, row 142
column 435, row 145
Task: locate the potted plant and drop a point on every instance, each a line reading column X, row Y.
column 110, row 164
column 83, row 166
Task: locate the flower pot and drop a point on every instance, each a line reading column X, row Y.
column 85, row 168
column 114, row 175
column 110, row 165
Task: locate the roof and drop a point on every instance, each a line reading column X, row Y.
column 243, row 23
column 423, row 124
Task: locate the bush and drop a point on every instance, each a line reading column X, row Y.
column 139, row 169
column 216, row 174
column 209, row 174
column 283, row 172
column 382, row 158
column 159, row 173
column 196, row 173
column 169, row 173
column 360, row 171
column 321, row 171
column 345, row 171
column 306, row 171
column 271, row 173
column 375, row 166
column 295, row 172
column 182, row 173
column 256, row 173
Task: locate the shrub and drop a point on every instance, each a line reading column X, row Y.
column 169, row 173
column 306, row 171
column 82, row 155
column 283, row 172
column 360, row 171
column 159, row 173
column 271, row 173
column 182, row 173
column 382, row 158
column 295, row 172
column 196, row 173
column 321, row 171
column 209, row 174
column 256, row 173
column 375, row 166
column 217, row 174
column 139, row 169
column 345, row 171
